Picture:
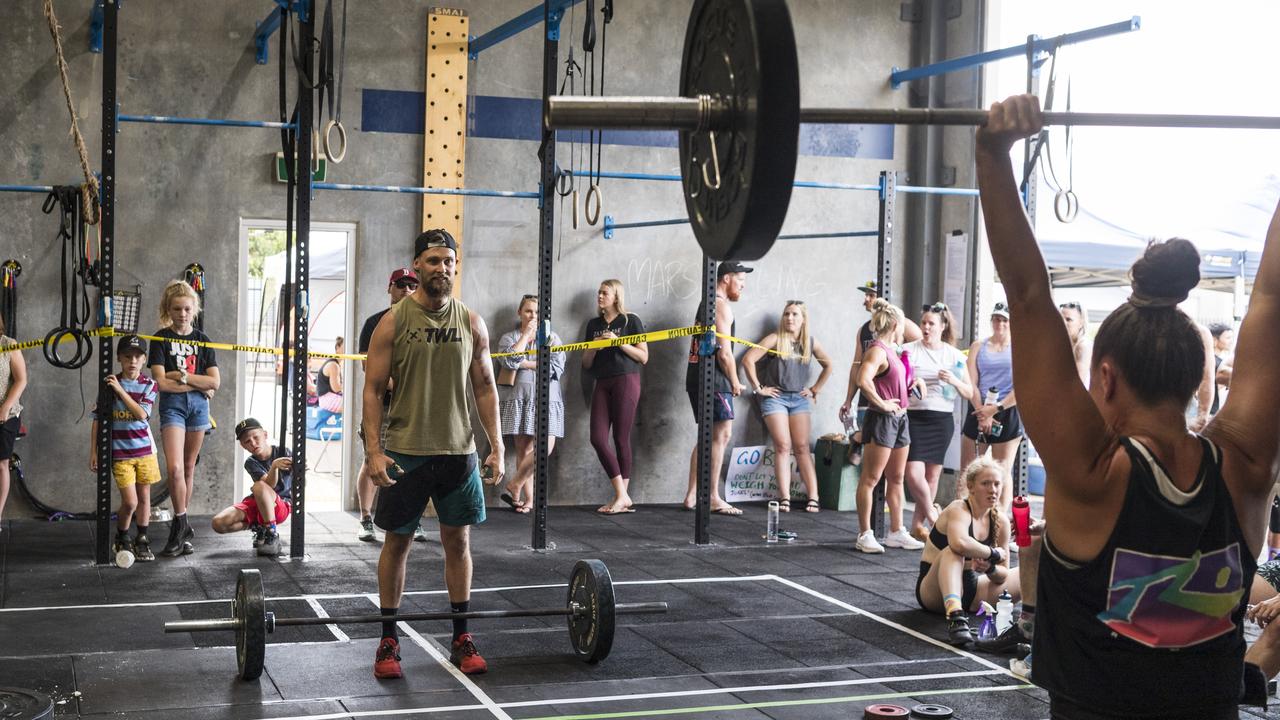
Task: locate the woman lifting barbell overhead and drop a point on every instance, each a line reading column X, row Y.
column 1135, row 501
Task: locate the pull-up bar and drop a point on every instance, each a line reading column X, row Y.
column 171, row 120
column 27, row 188
column 868, row 187
column 425, row 190
column 610, row 226
column 1035, row 46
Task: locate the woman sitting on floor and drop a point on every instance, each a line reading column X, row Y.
column 964, row 562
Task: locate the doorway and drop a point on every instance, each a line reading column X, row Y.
column 328, row 433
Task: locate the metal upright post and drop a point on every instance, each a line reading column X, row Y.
column 706, row 386
column 106, row 279
column 302, row 284
column 884, row 280
column 1029, row 198
column 546, row 266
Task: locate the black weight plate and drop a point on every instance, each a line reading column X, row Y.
column 877, row 712
column 591, row 630
column 250, row 611
column 932, row 711
column 742, row 52
column 22, row 704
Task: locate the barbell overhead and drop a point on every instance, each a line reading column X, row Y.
column 739, row 119
column 590, row 611
column 707, row 113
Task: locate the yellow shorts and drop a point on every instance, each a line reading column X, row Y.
column 143, row 471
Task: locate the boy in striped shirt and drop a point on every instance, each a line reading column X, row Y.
column 133, row 456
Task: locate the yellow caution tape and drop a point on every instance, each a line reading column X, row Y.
column 654, row 336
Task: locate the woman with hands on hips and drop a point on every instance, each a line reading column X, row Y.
column 786, row 399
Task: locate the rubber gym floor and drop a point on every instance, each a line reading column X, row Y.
column 807, row 629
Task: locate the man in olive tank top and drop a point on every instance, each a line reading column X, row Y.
column 430, row 344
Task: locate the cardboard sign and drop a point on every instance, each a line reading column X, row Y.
column 751, row 476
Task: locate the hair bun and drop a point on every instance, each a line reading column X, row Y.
column 878, row 303
column 1167, row 270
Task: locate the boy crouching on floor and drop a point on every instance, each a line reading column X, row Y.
column 268, row 503
column 133, row 455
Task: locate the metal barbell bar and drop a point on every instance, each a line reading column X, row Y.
column 704, row 113
column 575, row 610
column 590, row 610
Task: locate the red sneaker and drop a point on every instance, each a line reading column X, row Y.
column 467, row 657
column 386, row 663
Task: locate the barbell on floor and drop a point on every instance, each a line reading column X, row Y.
column 590, row 609
column 739, row 115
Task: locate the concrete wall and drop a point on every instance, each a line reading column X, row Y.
column 183, row 190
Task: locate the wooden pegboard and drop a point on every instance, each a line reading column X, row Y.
column 444, row 151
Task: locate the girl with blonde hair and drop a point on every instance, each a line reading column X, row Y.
column 786, row 398
column 187, row 375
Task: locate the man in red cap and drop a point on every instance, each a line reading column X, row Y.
column 403, row 281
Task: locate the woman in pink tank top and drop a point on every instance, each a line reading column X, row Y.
column 882, row 378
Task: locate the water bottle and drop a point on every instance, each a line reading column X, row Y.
column 771, row 530
column 1021, row 521
column 993, row 396
column 1004, row 612
column 949, row 390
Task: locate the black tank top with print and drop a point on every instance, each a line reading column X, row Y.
column 1153, row 626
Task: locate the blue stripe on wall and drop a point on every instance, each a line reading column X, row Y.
column 510, row 118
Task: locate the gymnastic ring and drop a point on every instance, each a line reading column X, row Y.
column 84, row 348
column 593, row 191
column 1066, row 205
column 574, row 202
column 328, row 146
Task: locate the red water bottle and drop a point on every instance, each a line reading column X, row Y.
column 1021, row 521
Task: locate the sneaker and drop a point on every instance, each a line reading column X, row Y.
column 1005, row 643
column 122, row 543
column 867, row 543
column 365, row 533
column 386, row 663
column 420, row 534
column 258, row 533
column 467, row 657
column 902, row 539
column 173, row 547
column 958, row 631
column 1021, row 668
column 270, row 546
column 142, row 549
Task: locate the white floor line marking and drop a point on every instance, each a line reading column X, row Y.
column 320, row 612
column 666, row 695
column 746, row 689
column 897, row 626
column 350, row 596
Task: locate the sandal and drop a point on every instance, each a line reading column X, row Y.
column 523, row 508
column 784, row 505
column 812, row 506
column 726, row 510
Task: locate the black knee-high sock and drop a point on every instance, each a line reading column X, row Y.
column 459, row 624
column 389, row 626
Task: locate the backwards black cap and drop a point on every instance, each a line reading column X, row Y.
column 434, row 239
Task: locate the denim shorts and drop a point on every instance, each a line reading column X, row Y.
column 189, row 410
column 791, row 403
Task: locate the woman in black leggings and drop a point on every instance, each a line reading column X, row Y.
column 617, row 390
